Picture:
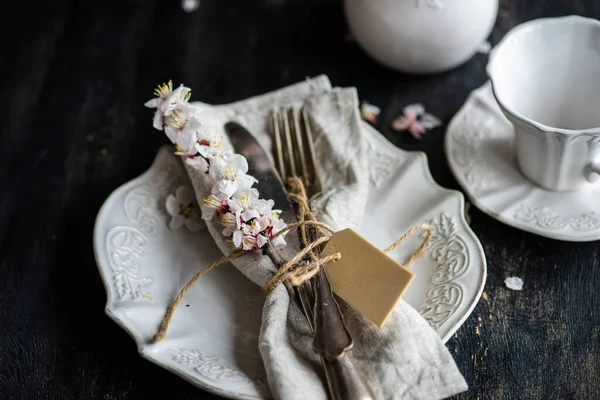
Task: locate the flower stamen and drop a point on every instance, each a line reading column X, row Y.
column 212, row 201
column 164, row 90
column 229, row 173
column 187, row 209
column 176, row 120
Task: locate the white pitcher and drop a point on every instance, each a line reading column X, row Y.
column 421, row 36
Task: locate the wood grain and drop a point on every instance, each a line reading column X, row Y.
column 76, row 75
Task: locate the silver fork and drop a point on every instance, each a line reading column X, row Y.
column 296, row 157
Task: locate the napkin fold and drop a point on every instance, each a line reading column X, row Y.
column 403, row 360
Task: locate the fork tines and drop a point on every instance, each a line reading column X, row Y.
column 294, row 144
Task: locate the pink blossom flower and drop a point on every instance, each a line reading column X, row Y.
column 415, row 120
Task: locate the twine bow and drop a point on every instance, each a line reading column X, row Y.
column 296, row 273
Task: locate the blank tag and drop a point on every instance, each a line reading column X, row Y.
column 365, row 277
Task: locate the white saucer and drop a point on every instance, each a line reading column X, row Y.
column 213, row 338
column 480, row 151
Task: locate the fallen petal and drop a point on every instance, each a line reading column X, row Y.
column 417, row 134
column 414, row 110
column 514, row 283
column 401, row 123
column 429, row 121
column 369, row 112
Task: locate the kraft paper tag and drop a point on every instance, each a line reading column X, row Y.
column 365, row 277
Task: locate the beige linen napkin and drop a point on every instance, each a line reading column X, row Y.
column 404, row 360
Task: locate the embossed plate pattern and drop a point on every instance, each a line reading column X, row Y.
column 480, row 151
column 212, row 341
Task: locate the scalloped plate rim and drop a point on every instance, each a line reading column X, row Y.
column 111, row 311
column 424, row 163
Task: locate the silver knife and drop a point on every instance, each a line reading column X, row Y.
column 344, row 379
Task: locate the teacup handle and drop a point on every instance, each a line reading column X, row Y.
column 592, row 169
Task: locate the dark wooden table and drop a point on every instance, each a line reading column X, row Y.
column 75, row 77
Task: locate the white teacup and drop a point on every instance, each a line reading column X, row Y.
column 546, row 78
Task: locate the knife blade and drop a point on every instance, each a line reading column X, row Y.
column 259, row 166
column 270, row 186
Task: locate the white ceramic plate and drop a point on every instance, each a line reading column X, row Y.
column 212, row 340
column 480, row 151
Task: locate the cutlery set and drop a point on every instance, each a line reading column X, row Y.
column 332, row 341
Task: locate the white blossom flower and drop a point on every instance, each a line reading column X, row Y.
column 249, row 207
column 185, row 144
column 230, row 224
column 244, row 242
column 182, row 125
column 251, row 216
column 224, row 188
column 229, row 173
column 261, row 241
column 208, row 144
column 182, row 208
column 248, row 217
column 162, row 92
column 250, row 221
column 228, row 166
column 212, row 206
column 248, row 242
column 277, row 224
column 263, row 206
column 255, row 235
column 243, row 200
column 255, row 218
column 195, row 161
column 182, row 128
column 167, row 100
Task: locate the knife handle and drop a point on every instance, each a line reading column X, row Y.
column 332, row 338
column 334, row 343
column 345, row 380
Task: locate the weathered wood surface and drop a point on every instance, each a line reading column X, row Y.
column 75, row 77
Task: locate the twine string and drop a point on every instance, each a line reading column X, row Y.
column 164, row 325
column 306, row 263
